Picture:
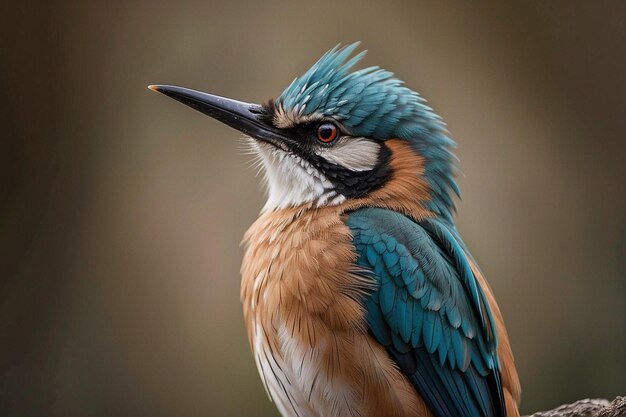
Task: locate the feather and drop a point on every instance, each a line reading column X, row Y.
column 433, row 310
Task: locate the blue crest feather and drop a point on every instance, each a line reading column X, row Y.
column 372, row 103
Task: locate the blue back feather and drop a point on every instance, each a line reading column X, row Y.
column 429, row 312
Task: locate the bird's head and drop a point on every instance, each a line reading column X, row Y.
column 329, row 136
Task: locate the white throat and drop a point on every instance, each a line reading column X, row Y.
column 292, row 181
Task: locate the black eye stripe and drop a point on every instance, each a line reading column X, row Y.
column 350, row 184
column 354, row 184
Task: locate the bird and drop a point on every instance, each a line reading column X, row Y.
column 359, row 296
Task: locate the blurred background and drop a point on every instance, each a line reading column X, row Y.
column 121, row 211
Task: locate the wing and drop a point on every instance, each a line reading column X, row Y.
column 429, row 312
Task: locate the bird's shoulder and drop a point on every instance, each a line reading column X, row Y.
column 427, row 259
column 429, row 311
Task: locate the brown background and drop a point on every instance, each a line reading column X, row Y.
column 121, row 211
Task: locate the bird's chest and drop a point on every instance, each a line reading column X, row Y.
column 301, row 307
column 301, row 295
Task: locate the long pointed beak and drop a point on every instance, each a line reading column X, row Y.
column 245, row 117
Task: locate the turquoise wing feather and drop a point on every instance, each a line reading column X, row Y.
column 429, row 312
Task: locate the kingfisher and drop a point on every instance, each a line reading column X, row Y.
column 359, row 296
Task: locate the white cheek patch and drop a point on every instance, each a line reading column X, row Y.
column 355, row 154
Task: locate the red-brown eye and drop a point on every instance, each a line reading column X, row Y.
column 327, row 132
